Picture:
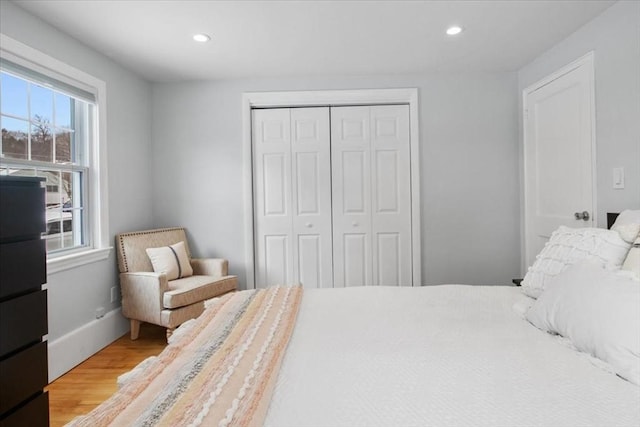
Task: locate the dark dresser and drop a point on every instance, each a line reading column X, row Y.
column 23, row 303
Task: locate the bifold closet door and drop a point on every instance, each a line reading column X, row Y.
column 291, row 154
column 371, row 193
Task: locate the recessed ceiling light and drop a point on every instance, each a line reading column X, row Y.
column 453, row 30
column 202, row 38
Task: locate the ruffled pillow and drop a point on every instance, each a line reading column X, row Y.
column 568, row 246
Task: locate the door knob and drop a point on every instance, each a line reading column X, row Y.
column 309, row 225
column 582, row 215
column 355, row 224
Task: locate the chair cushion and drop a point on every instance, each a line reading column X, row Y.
column 189, row 290
column 171, row 260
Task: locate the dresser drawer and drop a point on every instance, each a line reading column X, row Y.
column 23, row 375
column 34, row 414
column 23, row 320
column 24, row 217
column 23, row 266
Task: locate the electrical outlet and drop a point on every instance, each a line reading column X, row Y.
column 114, row 294
column 99, row 312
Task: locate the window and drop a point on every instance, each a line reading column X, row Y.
column 46, row 132
column 49, row 115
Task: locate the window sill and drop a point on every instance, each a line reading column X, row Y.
column 66, row 262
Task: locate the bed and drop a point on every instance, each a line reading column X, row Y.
column 443, row 355
column 451, row 355
column 448, row 355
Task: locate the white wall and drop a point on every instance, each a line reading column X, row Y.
column 469, row 161
column 75, row 294
column 614, row 36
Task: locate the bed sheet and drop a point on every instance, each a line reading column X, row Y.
column 450, row 355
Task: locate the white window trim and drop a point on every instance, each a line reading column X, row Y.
column 97, row 203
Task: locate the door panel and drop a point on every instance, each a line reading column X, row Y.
column 356, row 260
column 351, row 184
column 310, row 147
column 386, row 184
column 274, row 129
column 391, row 195
column 276, row 259
column 353, row 176
column 308, row 126
column 556, row 140
column 354, row 125
column 272, row 186
column 307, row 183
column 388, row 261
column 274, row 170
column 558, row 156
column 310, row 260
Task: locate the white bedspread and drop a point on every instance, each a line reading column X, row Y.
column 449, row 355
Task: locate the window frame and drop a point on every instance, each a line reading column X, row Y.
column 96, row 202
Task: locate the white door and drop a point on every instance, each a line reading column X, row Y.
column 292, row 196
column 311, row 189
column 558, row 154
column 351, row 183
column 272, row 185
column 371, row 196
column 391, row 195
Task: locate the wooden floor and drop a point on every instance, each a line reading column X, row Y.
column 90, row 383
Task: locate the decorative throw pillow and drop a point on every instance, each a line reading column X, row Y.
column 598, row 310
column 171, row 260
column 568, row 246
column 632, row 262
column 628, row 225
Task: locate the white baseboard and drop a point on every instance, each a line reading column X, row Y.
column 77, row 346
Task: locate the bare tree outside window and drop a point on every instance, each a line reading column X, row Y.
column 41, row 139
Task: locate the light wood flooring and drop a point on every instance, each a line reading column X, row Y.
column 94, row 380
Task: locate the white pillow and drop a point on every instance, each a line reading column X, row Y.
column 632, row 262
column 627, row 216
column 568, row 246
column 628, row 225
column 598, row 310
column 171, row 260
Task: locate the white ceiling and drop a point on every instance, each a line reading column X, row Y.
column 306, row 38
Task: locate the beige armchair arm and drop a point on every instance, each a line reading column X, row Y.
column 142, row 295
column 210, row 266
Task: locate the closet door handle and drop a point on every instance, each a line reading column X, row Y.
column 309, row 225
column 355, row 224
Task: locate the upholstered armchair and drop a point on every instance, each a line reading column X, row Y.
column 149, row 296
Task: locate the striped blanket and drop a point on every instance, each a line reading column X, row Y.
column 219, row 372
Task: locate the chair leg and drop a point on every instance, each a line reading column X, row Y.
column 135, row 329
column 170, row 332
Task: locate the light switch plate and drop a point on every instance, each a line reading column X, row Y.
column 618, row 178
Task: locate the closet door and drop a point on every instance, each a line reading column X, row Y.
column 351, row 184
column 371, row 195
column 311, row 186
column 293, row 196
column 391, row 195
column 271, row 138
